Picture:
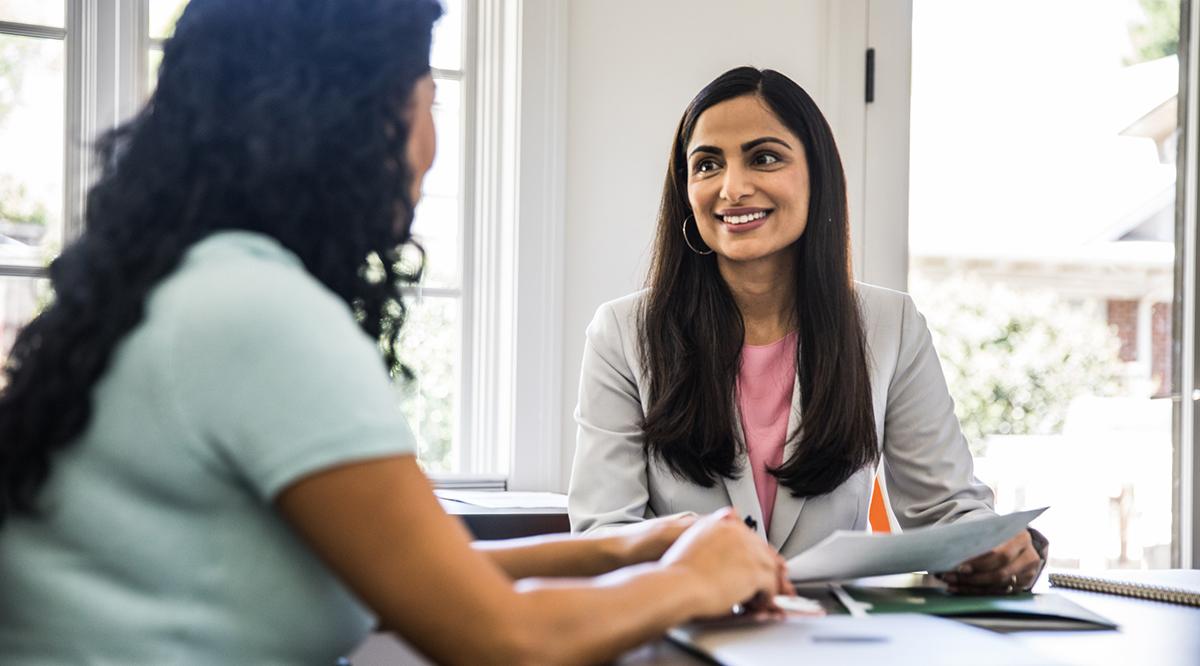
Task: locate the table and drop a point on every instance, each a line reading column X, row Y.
column 487, row 524
column 1150, row 632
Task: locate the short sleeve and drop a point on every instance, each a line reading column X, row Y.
column 275, row 379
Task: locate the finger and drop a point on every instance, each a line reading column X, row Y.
column 1011, row 585
column 782, row 584
column 1028, row 574
column 1018, row 577
column 994, row 578
column 1019, row 566
column 972, row 591
column 723, row 514
column 761, row 604
column 989, row 561
column 785, row 584
column 998, row 556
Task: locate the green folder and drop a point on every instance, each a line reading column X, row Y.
column 1014, row 612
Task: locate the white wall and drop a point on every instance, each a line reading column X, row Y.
column 633, row 65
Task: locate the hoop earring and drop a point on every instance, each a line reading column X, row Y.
column 689, row 243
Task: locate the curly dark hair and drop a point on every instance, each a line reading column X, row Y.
column 283, row 117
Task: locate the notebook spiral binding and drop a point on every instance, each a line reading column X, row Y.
column 1126, row 588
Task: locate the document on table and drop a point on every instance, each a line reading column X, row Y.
column 896, row 640
column 845, row 554
column 495, row 499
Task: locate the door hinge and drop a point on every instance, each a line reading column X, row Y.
column 870, row 76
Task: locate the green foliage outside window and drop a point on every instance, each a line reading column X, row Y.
column 1014, row 361
column 1157, row 36
column 17, row 207
column 429, row 345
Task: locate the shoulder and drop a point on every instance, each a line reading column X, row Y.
column 618, row 317
column 879, row 301
column 241, row 283
column 884, row 308
column 240, row 298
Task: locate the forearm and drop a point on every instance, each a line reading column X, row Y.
column 558, row 555
column 638, row 604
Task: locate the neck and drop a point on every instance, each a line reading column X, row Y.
column 765, row 294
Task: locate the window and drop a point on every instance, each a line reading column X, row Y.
column 33, row 101
column 489, row 379
column 1042, row 235
column 33, row 40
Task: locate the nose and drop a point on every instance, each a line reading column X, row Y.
column 737, row 184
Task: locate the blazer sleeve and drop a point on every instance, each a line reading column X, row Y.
column 608, row 478
column 927, row 466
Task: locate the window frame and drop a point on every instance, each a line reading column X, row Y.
column 1186, row 550
column 512, row 315
column 38, row 31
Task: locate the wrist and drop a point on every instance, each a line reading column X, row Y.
column 619, row 551
column 694, row 598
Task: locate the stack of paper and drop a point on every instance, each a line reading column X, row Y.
column 844, row 554
column 495, row 499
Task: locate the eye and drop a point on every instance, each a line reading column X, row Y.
column 705, row 165
column 765, row 159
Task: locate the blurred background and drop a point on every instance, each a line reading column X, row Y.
column 1016, row 172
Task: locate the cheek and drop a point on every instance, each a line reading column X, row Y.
column 422, row 146
column 796, row 207
column 700, row 198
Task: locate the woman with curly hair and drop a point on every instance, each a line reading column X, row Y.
column 201, row 460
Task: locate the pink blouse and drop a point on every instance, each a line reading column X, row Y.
column 765, row 381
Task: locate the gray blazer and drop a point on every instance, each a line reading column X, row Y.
column 927, row 466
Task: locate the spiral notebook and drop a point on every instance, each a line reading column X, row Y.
column 1177, row 586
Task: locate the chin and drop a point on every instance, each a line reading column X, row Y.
column 740, row 253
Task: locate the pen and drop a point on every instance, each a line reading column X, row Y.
column 855, row 608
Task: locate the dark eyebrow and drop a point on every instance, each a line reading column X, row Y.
column 750, row 145
column 746, row 147
column 706, row 149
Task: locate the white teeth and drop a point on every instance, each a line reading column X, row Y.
column 743, row 219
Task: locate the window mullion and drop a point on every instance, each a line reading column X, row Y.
column 31, row 30
column 83, row 27
column 1187, row 285
column 490, row 254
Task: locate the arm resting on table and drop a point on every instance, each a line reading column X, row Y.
column 379, row 526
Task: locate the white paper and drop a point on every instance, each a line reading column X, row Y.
column 495, row 499
column 845, row 554
column 894, row 639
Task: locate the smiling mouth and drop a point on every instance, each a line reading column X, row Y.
column 744, row 219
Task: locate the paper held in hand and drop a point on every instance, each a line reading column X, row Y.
column 845, row 554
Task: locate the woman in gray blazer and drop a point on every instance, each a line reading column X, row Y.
column 682, row 406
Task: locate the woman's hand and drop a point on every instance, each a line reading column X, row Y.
column 729, row 563
column 648, row 540
column 1010, row 567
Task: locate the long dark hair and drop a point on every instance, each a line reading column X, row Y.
column 691, row 330
column 284, row 117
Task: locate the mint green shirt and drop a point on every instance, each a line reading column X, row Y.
column 159, row 543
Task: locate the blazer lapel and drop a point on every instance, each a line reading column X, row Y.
column 741, row 490
column 787, row 507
